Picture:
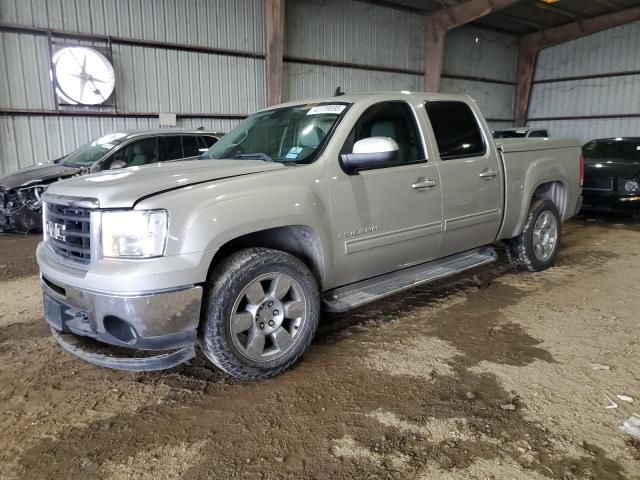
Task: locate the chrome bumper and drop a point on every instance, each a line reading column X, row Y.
column 164, row 320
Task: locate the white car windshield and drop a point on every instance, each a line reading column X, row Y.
column 289, row 134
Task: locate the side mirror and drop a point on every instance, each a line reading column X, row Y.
column 116, row 164
column 370, row 153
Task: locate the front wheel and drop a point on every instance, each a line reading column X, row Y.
column 536, row 248
column 261, row 312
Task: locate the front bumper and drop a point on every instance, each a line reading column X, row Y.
column 162, row 320
column 611, row 203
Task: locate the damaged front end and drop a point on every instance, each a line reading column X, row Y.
column 21, row 209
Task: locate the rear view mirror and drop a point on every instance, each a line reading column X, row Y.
column 370, row 153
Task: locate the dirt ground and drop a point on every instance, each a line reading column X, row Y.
column 490, row 375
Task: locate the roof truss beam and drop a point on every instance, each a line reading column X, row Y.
column 445, row 19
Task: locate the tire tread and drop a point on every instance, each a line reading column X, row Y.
column 212, row 335
column 519, row 251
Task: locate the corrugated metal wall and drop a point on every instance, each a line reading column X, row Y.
column 307, row 81
column 492, row 58
column 352, row 33
column 357, row 33
column 617, row 51
column 148, row 79
column 232, row 24
column 158, row 78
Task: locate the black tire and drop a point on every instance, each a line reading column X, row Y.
column 520, row 250
column 227, row 282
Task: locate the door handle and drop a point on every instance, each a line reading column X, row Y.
column 488, row 174
column 423, row 183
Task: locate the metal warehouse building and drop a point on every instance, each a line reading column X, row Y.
column 319, row 239
column 213, row 62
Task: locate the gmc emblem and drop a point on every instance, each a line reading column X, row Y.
column 56, row 231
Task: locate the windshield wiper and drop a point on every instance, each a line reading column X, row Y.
column 254, row 156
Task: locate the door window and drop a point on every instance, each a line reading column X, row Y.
column 190, row 146
column 208, row 141
column 140, row 152
column 389, row 119
column 456, row 129
column 170, row 148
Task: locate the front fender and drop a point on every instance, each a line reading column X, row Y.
column 206, row 217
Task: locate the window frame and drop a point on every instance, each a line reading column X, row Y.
column 447, row 158
column 423, row 155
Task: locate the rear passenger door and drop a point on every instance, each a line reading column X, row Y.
column 470, row 174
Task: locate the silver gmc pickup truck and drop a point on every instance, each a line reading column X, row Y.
column 327, row 203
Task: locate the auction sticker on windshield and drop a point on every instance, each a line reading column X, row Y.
column 334, row 109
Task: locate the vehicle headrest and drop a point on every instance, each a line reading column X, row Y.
column 312, row 137
column 138, row 149
column 384, row 128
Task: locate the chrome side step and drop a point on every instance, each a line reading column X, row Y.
column 351, row 296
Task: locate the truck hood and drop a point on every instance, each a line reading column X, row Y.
column 611, row 167
column 37, row 174
column 122, row 188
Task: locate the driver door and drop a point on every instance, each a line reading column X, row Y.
column 389, row 218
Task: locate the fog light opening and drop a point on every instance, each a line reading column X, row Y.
column 119, row 329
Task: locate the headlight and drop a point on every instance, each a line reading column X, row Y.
column 632, row 186
column 134, row 233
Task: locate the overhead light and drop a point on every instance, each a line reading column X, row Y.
column 550, row 1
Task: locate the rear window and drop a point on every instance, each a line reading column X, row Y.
column 457, row 132
column 509, row 134
column 624, row 149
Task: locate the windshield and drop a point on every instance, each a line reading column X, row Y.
column 288, row 134
column 88, row 154
column 509, row 134
column 622, row 149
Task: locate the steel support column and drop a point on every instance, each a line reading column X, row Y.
column 274, row 33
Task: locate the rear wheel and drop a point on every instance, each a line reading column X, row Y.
column 536, row 248
column 261, row 312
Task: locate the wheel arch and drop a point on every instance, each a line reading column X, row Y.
column 555, row 191
column 301, row 241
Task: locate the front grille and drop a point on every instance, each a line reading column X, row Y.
column 602, row 184
column 69, row 231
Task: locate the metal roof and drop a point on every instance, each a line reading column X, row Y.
column 525, row 16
